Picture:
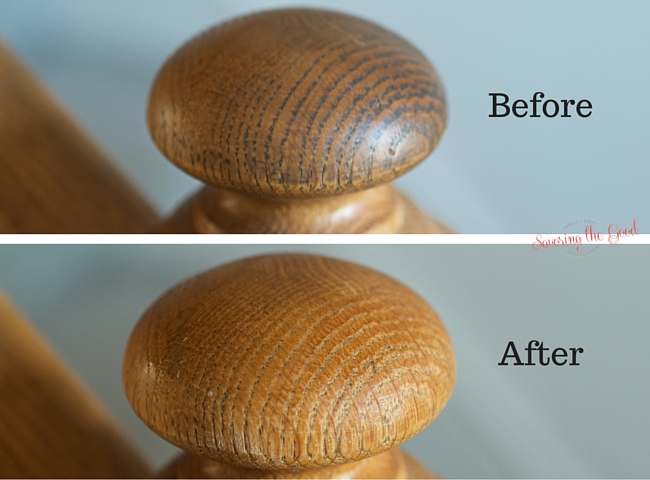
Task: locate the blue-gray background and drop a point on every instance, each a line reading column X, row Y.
column 545, row 422
column 487, row 176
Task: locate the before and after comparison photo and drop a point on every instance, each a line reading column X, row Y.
column 324, row 239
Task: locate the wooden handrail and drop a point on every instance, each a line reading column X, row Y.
column 50, row 425
column 53, row 178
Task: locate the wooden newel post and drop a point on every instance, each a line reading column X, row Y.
column 289, row 366
column 297, row 120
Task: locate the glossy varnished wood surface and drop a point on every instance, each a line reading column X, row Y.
column 50, row 426
column 381, row 209
column 287, row 361
column 53, row 179
column 297, row 103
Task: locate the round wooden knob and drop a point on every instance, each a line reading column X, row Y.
column 297, row 103
column 287, row 361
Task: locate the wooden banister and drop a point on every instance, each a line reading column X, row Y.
column 50, row 425
column 53, row 178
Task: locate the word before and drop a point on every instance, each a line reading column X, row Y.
column 559, row 357
column 550, row 108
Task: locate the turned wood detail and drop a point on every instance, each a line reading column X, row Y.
column 50, row 425
column 289, row 366
column 53, row 178
column 297, row 105
column 380, row 210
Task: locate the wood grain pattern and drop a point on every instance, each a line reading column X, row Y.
column 50, row 426
column 391, row 464
column 381, row 209
column 297, row 103
column 53, row 179
column 287, row 361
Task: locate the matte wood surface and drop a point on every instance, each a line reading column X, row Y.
column 297, row 103
column 313, row 104
column 392, row 464
column 53, row 179
column 381, row 209
column 50, row 427
column 287, row 361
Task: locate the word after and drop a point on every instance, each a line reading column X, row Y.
column 537, row 351
column 549, row 108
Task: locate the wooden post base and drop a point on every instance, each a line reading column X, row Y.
column 392, row 464
column 378, row 210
